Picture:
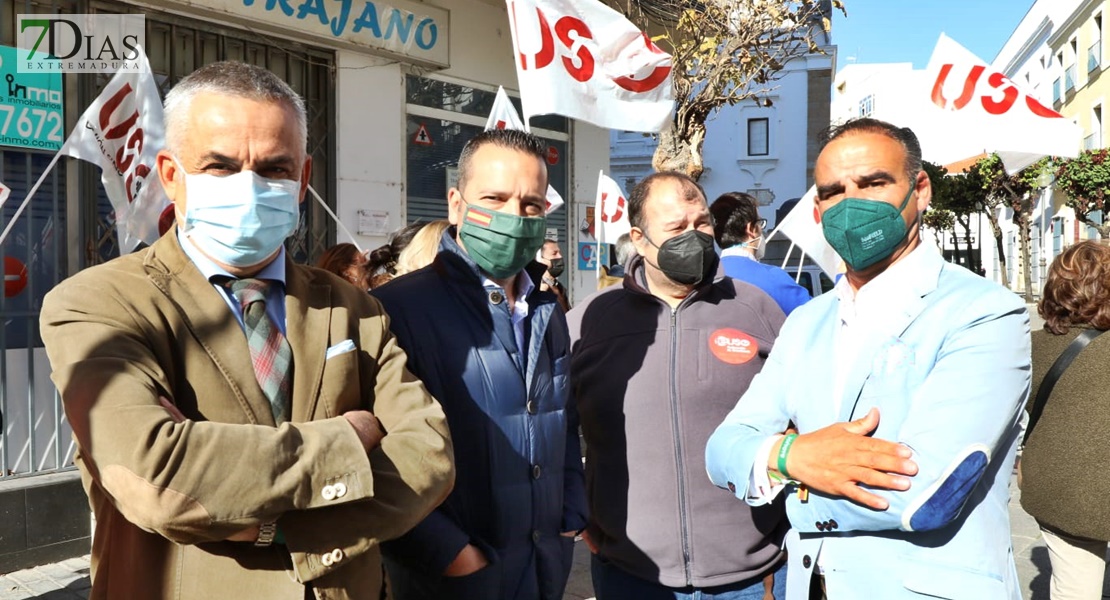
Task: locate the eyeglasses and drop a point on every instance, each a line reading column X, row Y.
column 761, row 223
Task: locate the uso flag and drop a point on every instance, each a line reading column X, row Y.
column 121, row 132
column 503, row 116
column 584, row 60
column 803, row 226
column 966, row 108
column 610, row 211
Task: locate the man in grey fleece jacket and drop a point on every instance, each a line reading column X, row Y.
column 656, row 364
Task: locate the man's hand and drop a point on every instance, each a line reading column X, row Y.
column 837, row 458
column 589, row 542
column 367, row 427
column 171, row 408
column 250, row 534
column 469, row 560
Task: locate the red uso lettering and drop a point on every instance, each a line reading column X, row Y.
column 657, row 76
column 132, row 148
column 616, row 216
column 572, row 33
column 563, row 28
column 995, row 80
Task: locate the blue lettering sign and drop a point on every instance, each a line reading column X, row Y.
column 285, row 8
column 368, row 20
column 399, row 22
column 340, row 23
column 395, row 24
column 426, row 34
column 313, row 7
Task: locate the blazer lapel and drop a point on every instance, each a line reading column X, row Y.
column 211, row 322
column 307, row 327
column 892, row 325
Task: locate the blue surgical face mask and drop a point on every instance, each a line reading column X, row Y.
column 242, row 219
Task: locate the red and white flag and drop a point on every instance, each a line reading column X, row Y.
column 121, row 132
column 803, row 226
column 966, row 108
column 503, row 116
column 584, row 60
column 610, row 211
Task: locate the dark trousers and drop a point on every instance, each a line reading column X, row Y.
column 613, row 583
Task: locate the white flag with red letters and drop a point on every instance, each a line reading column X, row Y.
column 584, row 60
column 121, row 132
column 968, row 108
column 803, row 226
column 610, row 211
column 503, row 116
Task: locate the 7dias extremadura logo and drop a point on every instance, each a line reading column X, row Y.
column 81, row 43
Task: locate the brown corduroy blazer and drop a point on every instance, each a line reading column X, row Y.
column 165, row 494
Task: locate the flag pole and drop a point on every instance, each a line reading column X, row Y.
column 27, row 200
column 338, row 223
column 786, row 259
column 801, row 263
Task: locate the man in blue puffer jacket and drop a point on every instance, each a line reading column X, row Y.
column 493, row 349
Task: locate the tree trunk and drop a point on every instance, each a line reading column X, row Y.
column 1022, row 221
column 992, row 217
column 676, row 154
column 966, row 224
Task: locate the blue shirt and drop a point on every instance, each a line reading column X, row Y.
column 739, row 264
column 274, row 272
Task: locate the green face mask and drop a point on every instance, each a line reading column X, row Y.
column 864, row 232
column 501, row 244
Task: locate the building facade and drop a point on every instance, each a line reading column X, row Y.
column 766, row 151
column 393, row 90
column 1058, row 53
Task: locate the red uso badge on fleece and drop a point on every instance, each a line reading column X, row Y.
column 733, row 346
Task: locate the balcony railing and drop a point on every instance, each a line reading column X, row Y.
column 1094, row 56
column 1057, row 91
column 1091, row 142
column 1069, row 79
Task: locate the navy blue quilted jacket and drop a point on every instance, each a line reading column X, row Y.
column 519, row 479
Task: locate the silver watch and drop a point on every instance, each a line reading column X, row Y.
column 266, row 533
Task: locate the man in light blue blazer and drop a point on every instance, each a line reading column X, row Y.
column 905, row 387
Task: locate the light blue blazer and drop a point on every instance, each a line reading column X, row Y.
column 949, row 372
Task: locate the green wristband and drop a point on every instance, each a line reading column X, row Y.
column 784, row 449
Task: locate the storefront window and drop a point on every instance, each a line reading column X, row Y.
column 434, row 93
column 435, row 139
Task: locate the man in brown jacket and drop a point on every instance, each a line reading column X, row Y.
column 236, row 445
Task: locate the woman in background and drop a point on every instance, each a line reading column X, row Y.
column 347, row 262
column 423, row 248
column 1063, row 484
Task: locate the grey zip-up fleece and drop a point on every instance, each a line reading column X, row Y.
column 651, row 385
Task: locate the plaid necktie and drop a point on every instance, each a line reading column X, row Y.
column 270, row 352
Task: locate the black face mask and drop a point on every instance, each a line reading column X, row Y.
column 688, row 258
column 557, row 267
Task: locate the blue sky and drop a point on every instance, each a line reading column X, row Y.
column 880, row 31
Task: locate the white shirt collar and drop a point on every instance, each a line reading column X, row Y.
column 737, row 250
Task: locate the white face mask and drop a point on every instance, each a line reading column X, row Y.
column 757, row 246
column 242, row 219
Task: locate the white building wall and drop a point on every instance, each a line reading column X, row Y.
column 775, row 178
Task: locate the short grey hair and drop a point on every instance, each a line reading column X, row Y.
column 230, row 78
